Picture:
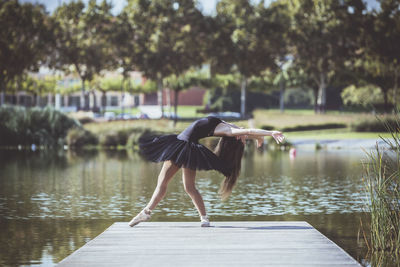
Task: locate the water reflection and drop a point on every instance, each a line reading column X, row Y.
column 51, row 204
column 115, row 184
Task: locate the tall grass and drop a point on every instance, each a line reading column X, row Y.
column 21, row 126
column 382, row 185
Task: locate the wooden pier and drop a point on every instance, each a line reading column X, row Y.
column 271, row 243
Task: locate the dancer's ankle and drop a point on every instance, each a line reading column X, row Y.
column 147, row 211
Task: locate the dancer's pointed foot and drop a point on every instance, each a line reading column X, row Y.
column 143, row 216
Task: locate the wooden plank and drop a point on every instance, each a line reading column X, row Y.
column 277, row 243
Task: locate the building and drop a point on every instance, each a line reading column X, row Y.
column 101, row 100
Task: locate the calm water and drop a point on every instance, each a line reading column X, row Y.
column 53, row 203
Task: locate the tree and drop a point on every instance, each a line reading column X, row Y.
column 25, row 38
column 182, row 82
column 124, row 48
column 252, row 38
column 380, row 64
column 324, row 36
column 371, row 71
column 82, row 41
column 365, row 96
column 168, row 35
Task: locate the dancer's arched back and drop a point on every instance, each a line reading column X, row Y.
column 184, row 151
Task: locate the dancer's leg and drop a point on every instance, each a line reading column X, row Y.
column 167, row 172
column 188, row 177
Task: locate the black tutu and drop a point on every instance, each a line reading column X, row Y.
column 187, row 154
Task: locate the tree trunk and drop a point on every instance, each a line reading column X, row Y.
column 396, row 76
column 385, row 100
column 35, row 100
column 175, row 107
column 281, row 94
column 82, row 101
column 94, row 101
column 2, row 93
column 2, row 97
column 169, row 99
column 122, row 95
column 315, row 92
column 243, row 97
column 103, row 101
column 321, row 101
column 49, row 100
column 160, row 94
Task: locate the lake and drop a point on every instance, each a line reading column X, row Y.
column 52, row 203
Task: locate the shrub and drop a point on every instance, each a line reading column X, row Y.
column 314, row 127
column 78, row 138
column 374, row 125
column 123, row 135
column 109, row 139
column 85, row 120
column 40, row 126
column 267, row 127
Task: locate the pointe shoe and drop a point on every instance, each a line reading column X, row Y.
column 141, row 217
column 205, row 221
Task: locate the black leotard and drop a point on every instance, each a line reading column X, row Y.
column 199, row 129
column 184, row 149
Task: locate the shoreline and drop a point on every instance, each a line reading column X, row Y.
column 357, row 143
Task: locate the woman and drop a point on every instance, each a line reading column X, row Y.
column 184, row 151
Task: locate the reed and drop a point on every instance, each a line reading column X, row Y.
column 382, row 186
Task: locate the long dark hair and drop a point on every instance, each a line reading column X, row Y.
column 230, row 150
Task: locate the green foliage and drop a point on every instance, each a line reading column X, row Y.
column 107, row 83
column 168, row 36
column 380, row 64
column 25, row 39
column 325, row 35
column 78, row 138
column 374, row 125
column 133, row 139
column 365, row 96
column 110, row 139
column 225, row 94
column 82, row 43
column 148, row 86
column 382, row 186
column 248, row 38
column 43, row 127
column 298, row 98
column 122, row 138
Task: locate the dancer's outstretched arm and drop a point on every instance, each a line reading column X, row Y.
column 227, row 129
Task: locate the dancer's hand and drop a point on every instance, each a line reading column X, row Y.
column 242, row 138
column 278, row 136
column 259, row 141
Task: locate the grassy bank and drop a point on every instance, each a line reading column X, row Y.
column 183, row 111
column 291, row 118
column 273, row 118
column 39, row 126
column 335, row 134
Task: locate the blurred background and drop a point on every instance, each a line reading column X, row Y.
column 82, row 81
